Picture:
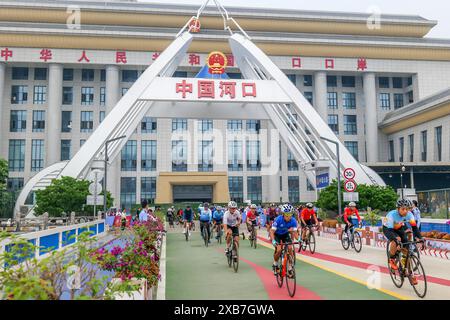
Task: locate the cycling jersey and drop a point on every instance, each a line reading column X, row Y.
column 251, row 215
column 188, row 214
column 307, row 214
column 394, row 220
column 205, row 215
column 272, row 213
column 348, row 213
column 282, row 226
column 218, row 216
column 231, row 219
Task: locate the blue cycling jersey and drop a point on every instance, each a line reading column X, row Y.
column 394, row 220
column 218, row 215
column 282, row 227
column 205, row 215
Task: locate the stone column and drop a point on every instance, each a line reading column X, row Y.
column 320, row 94
column 2, row 109
column 112, row 97
column 273, row 179
column 54, row 113
column 371, row 118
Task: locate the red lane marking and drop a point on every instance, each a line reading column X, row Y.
column 276, row 293
column 361, row 265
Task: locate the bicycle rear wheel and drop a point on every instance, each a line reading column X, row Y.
column 291, row 280
column 312, row 242
column 235, row 256
column 186, row 233
column 205, row 235
column 416, row 269
column 344, row 240
column 357, row 242
column 397, row 276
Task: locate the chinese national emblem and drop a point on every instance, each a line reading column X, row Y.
column 194, row 25
column 217, row 62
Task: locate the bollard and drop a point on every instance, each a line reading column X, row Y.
column 72, row 217
column 45, row 220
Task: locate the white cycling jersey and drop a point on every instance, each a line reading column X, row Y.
column 231, row 219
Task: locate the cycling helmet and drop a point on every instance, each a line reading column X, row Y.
column 309, row 205
column 352, row 204
column 232, row 204
column 253, row 206
column 403, row 203
column 218, row 208
column 287, row 209
column 206, row 204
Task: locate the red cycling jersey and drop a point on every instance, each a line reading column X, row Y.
column 349, row 212
column 307, row 214
column 251, row 215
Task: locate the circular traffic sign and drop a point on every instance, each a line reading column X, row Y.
column 349, row 174
column 95, row 187
column 350, row 185
column 95, row 173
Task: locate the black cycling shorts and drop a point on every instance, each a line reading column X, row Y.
column 283, row 237
column 234, row 230
column 392, row 234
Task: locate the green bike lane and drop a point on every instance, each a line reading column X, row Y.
column 199, row 273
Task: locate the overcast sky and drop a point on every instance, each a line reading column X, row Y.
column 430, row 9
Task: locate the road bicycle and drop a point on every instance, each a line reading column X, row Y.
column 205, row 232
column 409, row 266
column 253, row 236
column 414, row 248
column 310, row 240
column 219, row 232
column 233, row 255
column 187, row 230
column 286, row 268
column 351, row 237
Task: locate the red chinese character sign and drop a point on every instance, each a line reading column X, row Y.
column 194, row 25
column 5, row 54
column 362, row 64
column 217, row 62
column 201, row 89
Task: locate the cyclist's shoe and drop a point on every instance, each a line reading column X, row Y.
column 189, row 233
column 392, row 264
column 414, row 281
column 227, row 250
column 275, row 268
column 243, row 236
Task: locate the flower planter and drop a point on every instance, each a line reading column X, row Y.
column 144, row 293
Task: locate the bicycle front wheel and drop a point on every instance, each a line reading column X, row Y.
column 344, row 240
column 279, row 273
column 291, row 281
column 235, row 258
column 254, row 236
column 416, row 270
column 312, row 242
column 357, row 242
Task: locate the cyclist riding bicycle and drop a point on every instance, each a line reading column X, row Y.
column 205, row 220
column 271, row 215
column 231, row 222
column 308, row 218
column 188, row 216
column 282, row 228
column 218, row 218
column 252, row 215
column 395, row 229
column 348, row 213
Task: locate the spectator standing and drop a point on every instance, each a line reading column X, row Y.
column 143, row 215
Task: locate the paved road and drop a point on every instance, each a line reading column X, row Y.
column 196, row 272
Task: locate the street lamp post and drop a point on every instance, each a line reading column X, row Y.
column 402, row 169
column 106, row 170
column 338, row 163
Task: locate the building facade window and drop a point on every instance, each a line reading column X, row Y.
column 40, row 73
column 124, row 90
column 331, row 81
column 349, row 100
column 37, row 155
column 253, row 155
column 127, row 192
column 398, row 100
column 148, row 189
column 180, row 74
column 385, row 101
column 411, row 147
column 292, row 164
column 148, row 155
column 234, row 125
column 40, row 94
column 66, row 121
column 87, row 96
column 309, row 186
column 332, row 98
column 348, row 81
column 307, row 80
column 129, row 156
column 401, row 142
column 179, row 155
column 19, row 94
column 254, row 189
column 66, row 146
column 391, row 151
column 293, row 78
column 309, row 96
column 14, row 184
column 350, row 126
column 102, row 96
column 129, row 75
column 16, row 155
column 236, row 189
column 67, row 96
column 101, row 116
column 87, row 74
column 410, row 96
column 18, row 121
column 19, row 73
column 205, row 155
column 294, row 189
column 235, row 155
column 87, row 121
column 352, row 147
column 38, row 120
column 253, row 126
column 148, row 125
column 82, row 141
column 179, row 125
column 383, row 82
column 102, row 75
column 205, row 126
column 67, row 74
column 438, row 139
column 424, row 145
column 333, row 123
column 397, row 82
